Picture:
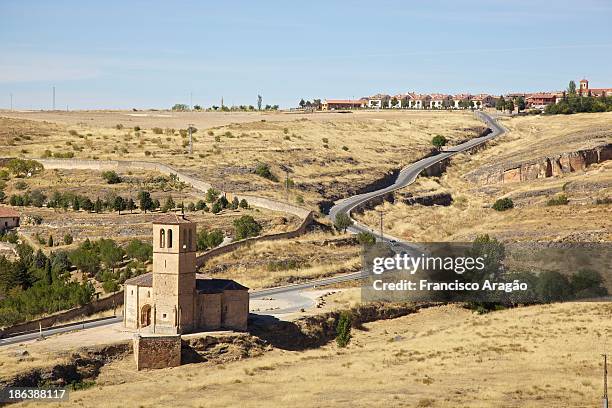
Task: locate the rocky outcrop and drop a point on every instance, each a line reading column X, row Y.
column 551, row 166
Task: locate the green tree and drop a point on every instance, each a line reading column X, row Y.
column 87, row 204
column 343, row 329
column 85, row 260
column 211, row 195
column 68, row 239
column 111, row 177
column 207, row 240
column 246, row 226
column 50, row 241
column 98, row 207
column 500, row 105
column 136, row 249
column 24, row 167
column 131, row 205
column 587, row 283
column 244, row 204
column 146, row 203
column 553, row 287
column 342, row 222
column 520, row 104
column 168, row 205
column 110, row 253
column 510, row 105
column 216, row 208
column 48, row 273
column 571, row 88
column 119, row 204
column 438, row 141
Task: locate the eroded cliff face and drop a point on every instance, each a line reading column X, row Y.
column 546, row 167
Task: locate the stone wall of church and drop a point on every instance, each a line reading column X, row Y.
column 235, row 312
column 209, row 311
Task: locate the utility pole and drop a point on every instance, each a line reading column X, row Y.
column 54, row 97
column 11, row 101
column 287, row 183
column 190, row 139
column 190, row 101
column 605, row 395
column 382, row 237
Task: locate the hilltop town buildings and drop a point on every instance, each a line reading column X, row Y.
column 173, row 299
column 412, row 100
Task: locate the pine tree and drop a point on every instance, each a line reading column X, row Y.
column 48, row 274
column 98, row 205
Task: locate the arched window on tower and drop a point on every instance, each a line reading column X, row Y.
column 162, row 238
column 169, row 238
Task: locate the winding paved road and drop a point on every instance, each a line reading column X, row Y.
column 407, row 176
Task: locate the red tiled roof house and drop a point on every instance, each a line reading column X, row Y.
column 8, row 218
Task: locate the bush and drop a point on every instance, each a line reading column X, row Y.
column 110, row 285
column 111, row 177
column 343, row 330
column 157, row 130
column 366, row 238
column 246, row 227
column 503, row 204
column 68, row 239
column 244, row 204
column 263, row 170
column 561, row 199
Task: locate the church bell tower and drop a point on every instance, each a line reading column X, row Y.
column 174, row 269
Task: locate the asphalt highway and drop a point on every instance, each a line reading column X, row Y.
column 406, row 177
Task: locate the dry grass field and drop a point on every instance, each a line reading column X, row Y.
column 539, row 356
column 326, row 155
column 275, row 263
column 470, row 214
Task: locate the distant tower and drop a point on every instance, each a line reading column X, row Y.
column 584, row 85
column 174, row 269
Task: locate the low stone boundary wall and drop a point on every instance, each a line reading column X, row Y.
column 125, row 165
column 200, row 260
column 96, row 306
column 152, row 352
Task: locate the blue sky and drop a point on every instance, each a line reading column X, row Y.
column 152, row 54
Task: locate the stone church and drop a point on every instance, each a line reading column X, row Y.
column 173, row 299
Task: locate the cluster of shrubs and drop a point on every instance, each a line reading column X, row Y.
column 561, row 199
